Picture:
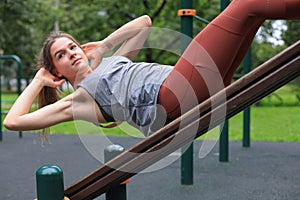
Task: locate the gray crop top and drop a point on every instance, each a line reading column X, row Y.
column 127, row 91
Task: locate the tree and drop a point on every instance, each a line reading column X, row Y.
column 21, row 26
column 264, row 48
column 95, row 19
column 292, row 34
column 26, row 23
column 290, row 37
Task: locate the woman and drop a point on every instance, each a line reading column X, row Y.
column 146, row 95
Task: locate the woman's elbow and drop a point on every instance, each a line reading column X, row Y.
column 10, row 124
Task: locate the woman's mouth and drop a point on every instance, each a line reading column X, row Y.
column 76, row 61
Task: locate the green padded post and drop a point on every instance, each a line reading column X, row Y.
column 49, row 183
column 118, row 192
column 224, row 142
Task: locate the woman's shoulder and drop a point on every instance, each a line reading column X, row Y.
column 115, row 58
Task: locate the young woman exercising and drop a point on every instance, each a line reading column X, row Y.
column 140, row 93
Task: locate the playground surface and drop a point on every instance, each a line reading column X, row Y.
column 266, row 171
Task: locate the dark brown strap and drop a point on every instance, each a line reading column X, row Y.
column 111, row 125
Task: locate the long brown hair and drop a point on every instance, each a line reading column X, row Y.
column 49, row 95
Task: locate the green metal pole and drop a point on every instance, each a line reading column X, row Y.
column 118, row 192
column 49, row 183
column 19, row 76
column 187, row 152
column 224, row 139
column 224, row 4
column 246, row 114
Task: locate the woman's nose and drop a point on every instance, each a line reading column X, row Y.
column 72, row 54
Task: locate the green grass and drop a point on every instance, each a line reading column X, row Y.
column 275, row 124
column 82, row 127
column 275, row 119
column 284, row 96
column 268, row 123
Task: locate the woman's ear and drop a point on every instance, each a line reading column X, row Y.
column 56, row 73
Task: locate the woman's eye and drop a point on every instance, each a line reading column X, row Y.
column 73, row 47
column 60, row 55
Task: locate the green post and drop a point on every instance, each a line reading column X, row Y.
column 246, row 119
column 187, row 152
column 19, row 76
column 224, row 139
column 224, row 4
column 49, row 183
column 118, row 192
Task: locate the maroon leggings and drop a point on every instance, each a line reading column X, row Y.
column 211, row 59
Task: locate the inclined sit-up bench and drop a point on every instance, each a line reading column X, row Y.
column 249, row 89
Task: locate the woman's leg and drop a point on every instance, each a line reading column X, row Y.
column 218, row 50
column 292, row 10
column 245, row 45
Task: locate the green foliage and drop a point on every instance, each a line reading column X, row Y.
column 21, row 24
column 264, row 49
column 292, row 34
column 290, row 37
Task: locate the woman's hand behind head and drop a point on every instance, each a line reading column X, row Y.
column 48, row 79
column 95, row 51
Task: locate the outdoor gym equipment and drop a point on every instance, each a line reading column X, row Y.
column 252, row 87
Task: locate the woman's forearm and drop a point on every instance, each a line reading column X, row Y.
column 132, row 34
column 24, row 102
column 127, row 31
column 19, row 116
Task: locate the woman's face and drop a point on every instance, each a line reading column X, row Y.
column 68, row 58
